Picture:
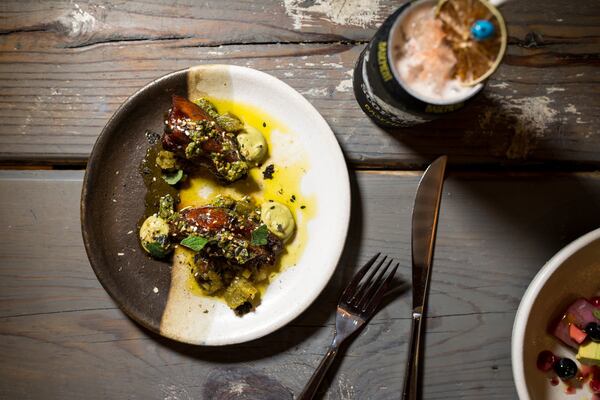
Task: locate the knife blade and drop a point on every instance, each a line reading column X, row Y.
column 424, row 226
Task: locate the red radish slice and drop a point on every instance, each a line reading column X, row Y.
column 579, row 313
column 577, row 334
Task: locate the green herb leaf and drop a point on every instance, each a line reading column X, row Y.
column 596, row 313
column 229, row 122
column 194, row 242
column 259, row 235
column 173, row 177
column 207, row 106
column 166, row 206
column 156, row 250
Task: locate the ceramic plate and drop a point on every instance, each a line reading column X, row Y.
column 573, row 272
column 156, row 294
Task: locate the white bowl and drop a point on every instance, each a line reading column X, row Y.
column 573, row 272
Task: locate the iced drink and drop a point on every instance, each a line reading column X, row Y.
column 423, row 58
column 428, row 58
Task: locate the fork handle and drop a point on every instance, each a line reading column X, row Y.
column 317, row 377
column 412, row 391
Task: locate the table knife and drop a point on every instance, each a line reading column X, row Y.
column 424, row 225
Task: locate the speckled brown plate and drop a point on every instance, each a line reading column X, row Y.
column 112, row 204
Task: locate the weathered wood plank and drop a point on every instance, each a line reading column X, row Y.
column 58, row 88
column 62, row 336
column 101, row 354
column 215, row 22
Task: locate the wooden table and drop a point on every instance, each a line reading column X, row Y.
column 521, row 185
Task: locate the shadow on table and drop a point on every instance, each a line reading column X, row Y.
column 488, row 128
column 541, row 211
column 535, row 213
column 399, row 288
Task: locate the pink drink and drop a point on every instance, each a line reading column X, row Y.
column 423, row 60
column 420, row 65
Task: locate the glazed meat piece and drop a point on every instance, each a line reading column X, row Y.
column 192, row 134
column 235, row 245
column 231, row 233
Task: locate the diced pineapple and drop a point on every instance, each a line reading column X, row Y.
column 589, row 353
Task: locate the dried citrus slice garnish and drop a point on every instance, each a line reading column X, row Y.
column 476, row 59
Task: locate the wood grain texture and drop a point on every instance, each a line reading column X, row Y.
column 63, row 337
column 66, row 67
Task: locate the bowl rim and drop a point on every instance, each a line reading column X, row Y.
column 520, row 322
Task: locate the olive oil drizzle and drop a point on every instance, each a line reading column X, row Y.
column 156, row 186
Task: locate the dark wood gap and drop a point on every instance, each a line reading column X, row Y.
column 526, row 167
column 555, row 168
column 42, row 165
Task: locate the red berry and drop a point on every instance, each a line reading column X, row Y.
column 586, row 371
column 595, row 301
column 546, row 360
column 595, row 385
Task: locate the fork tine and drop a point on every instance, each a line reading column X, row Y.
column 375, row 300
column 370, row 286
column 361, row 287
column 349, row 291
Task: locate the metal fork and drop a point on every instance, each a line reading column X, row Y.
column 356, row 306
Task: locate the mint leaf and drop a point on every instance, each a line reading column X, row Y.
column 259, row 235
column 194, row 242
column 596, row 313
column 173, row 177
column 156, row 250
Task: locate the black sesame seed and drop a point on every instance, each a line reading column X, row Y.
column 269, row 171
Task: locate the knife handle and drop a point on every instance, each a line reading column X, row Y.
column 412, row 389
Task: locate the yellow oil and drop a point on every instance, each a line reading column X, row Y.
column 202, row 188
